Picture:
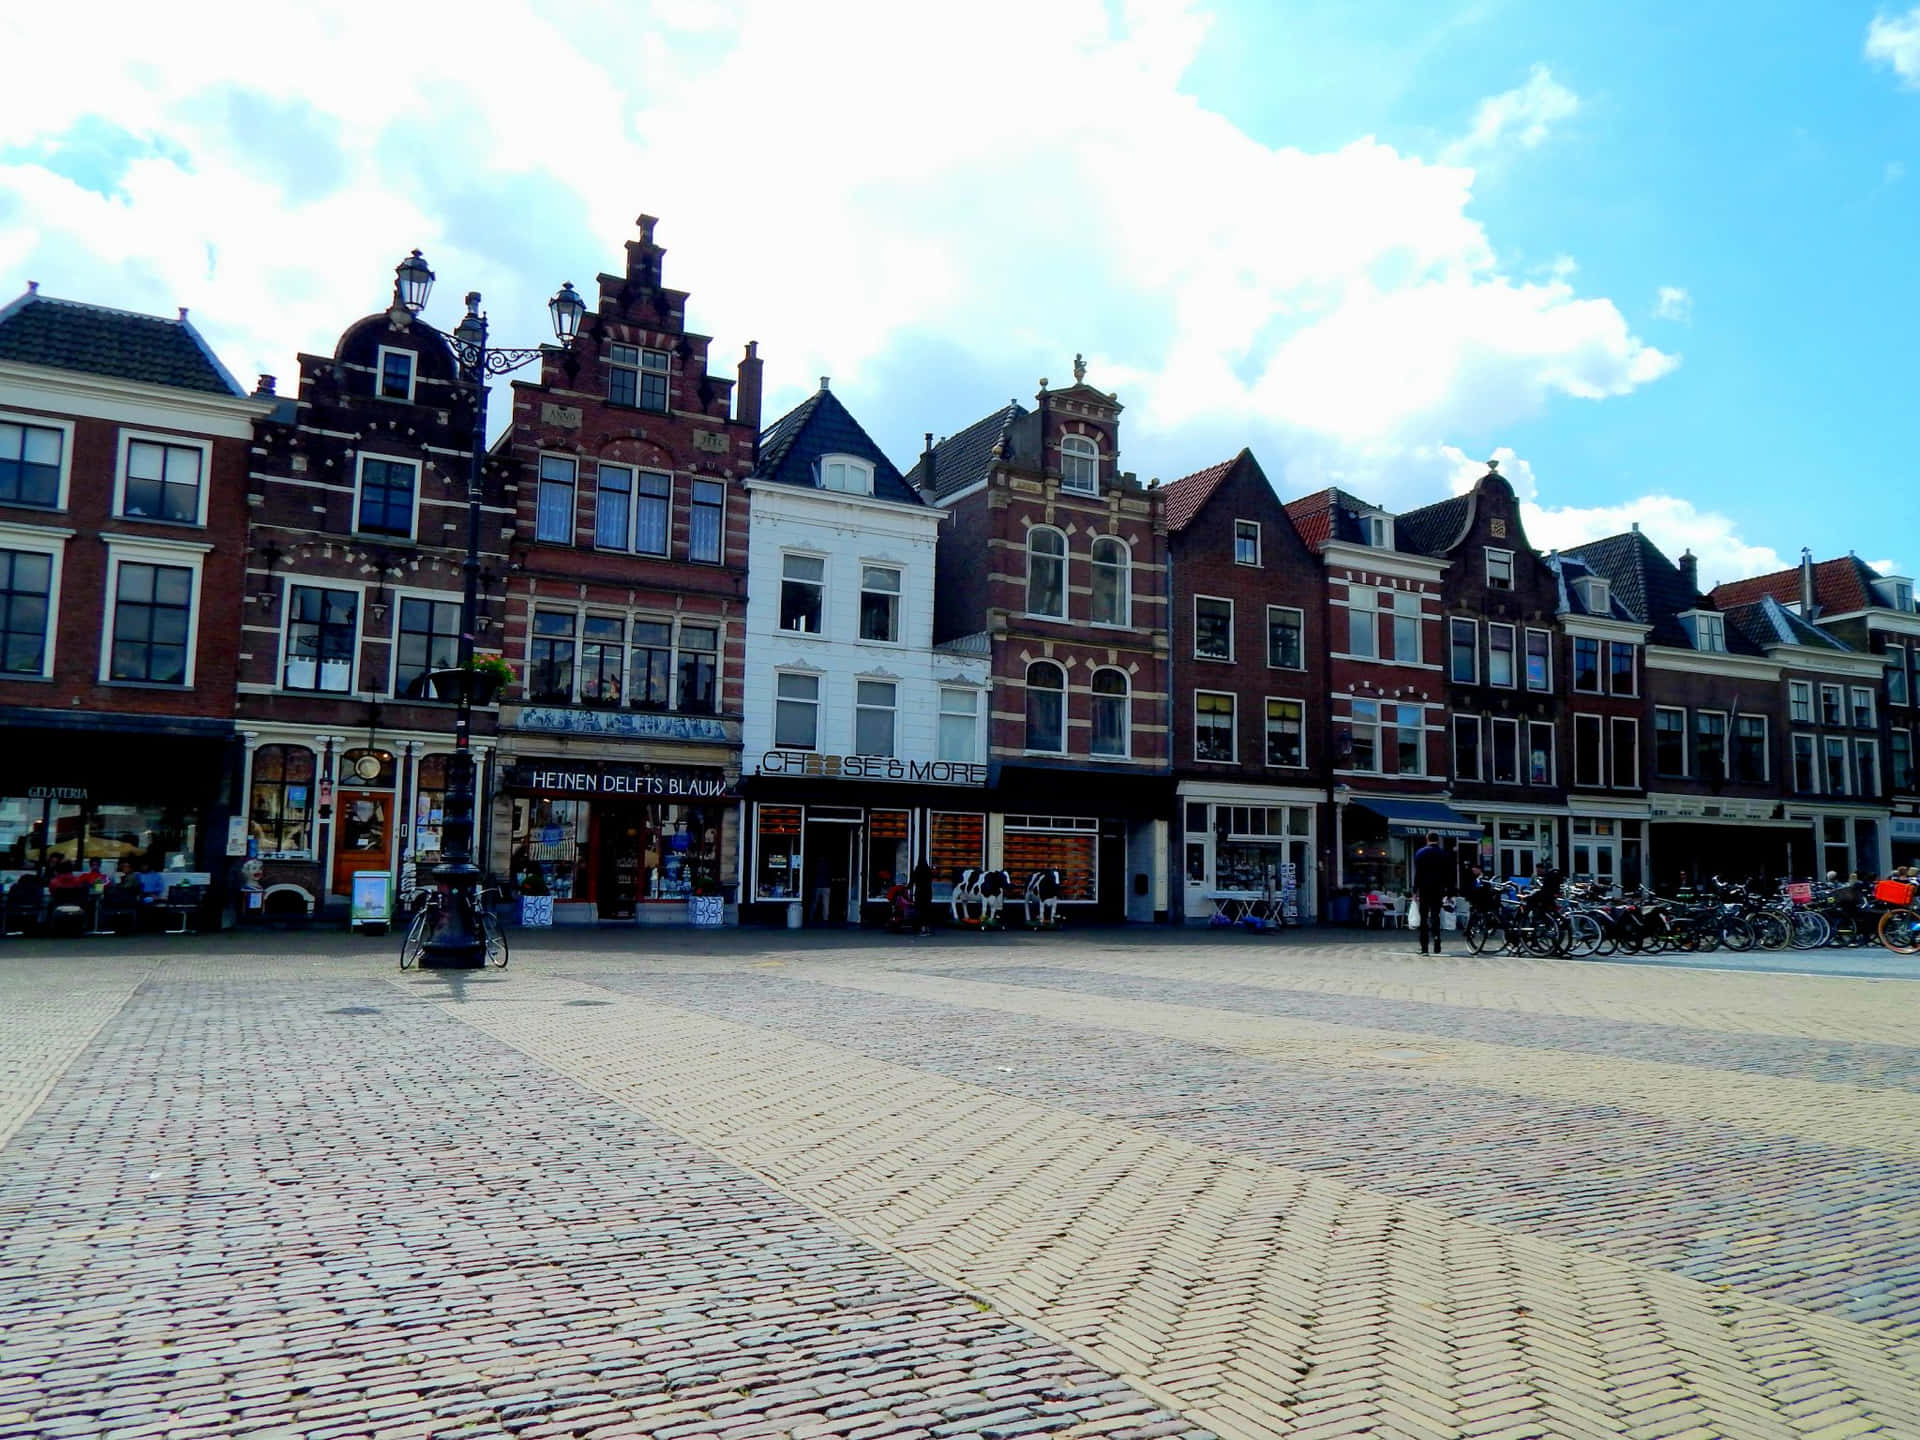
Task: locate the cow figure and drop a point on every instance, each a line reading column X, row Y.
column 1043, row 899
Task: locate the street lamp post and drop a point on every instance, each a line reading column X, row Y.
column 457, row 942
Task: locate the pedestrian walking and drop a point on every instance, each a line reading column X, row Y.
column 1433, row 876
column 923, row 896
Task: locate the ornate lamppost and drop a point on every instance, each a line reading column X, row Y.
column 457, row 942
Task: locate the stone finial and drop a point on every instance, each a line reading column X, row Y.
column 646, row 224
column 1079, row 367
column 1493, row 467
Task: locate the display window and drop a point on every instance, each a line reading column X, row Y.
column 1069, row 845
column 551, row 847
column 889, row 851
column 955, row 842
column 429, row 806
column 656, row 853
column 280, row 807
column 777, row 867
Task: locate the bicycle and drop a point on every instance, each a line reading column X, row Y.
column 430, row 905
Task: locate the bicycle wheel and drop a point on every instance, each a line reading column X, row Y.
column 495, row 938
column 1810, row 930
column 415, row 942
column 1475, row 932
column 1900, row 931
column 1583, row 935
column 1736, row 933
column 1770, row 932
column 1546, row 938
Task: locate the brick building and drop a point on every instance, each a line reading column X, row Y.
column 1248, row 636
column 620, row 745
column 1054, row 562
column 123, row 462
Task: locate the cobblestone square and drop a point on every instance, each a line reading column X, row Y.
column 1117, row 1184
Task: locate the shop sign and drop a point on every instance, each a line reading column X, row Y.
column 632, row 724
column 57, row 792
column 871, row 767
column 640, row 782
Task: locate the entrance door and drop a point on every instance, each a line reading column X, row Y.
column 833, row 872
column 617, row 840
column 362, row 835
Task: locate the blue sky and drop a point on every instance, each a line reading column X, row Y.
column 1660, row 257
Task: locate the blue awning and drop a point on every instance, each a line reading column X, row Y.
column 1417, row 817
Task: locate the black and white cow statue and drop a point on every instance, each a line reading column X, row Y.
column 979, row 896
column 1043, row 899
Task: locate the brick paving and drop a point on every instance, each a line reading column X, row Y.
column 755, row 1186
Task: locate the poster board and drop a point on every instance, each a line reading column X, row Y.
column 372, row 898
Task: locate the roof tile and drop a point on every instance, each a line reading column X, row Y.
column 94, row 340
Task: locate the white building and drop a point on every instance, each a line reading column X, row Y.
column 864, row 745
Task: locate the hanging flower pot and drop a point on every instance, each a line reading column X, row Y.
column 481, row 681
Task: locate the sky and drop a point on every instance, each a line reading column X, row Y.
column 1659, row 259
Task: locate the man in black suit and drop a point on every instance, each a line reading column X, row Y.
column 1433, row 877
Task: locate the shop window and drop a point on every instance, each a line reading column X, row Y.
column 26, row 603
column 1750, row 762
column 650, row 665
column 796, row 712
column 1863, row 717
column 162, row 482
column 429, row 808
column 1405, row 607
column 879, row 603
column 654, row 852
column 802, row 593
column 1626, row 753
column 1800, row 701
column 1363, row 623
column 873, row 717
column 1806, row 767
column 396, row 375
column 1463, row 652
column 1834, row 847
column 1286, row 647
column 1466, row 747
column 1112, row 582
column 955, row 842
column 1500, row 655
column 321, row 635
column 1213, row 727
column 959, row 724
column 551, row 849
column 707, row 522
column 385, row 505
column 1079, row 465
column 30, row 457
column 1506, row 751
column 550, row 656
column 889, row 848
column 1621, row 662
column 280, row 806
column 152, row 623
column 1900, row 759
column 602, row 639
column 1212, row 628
column 1586, row 750
column 1046, row 708
column 1286, row 733
column 1047, row 842
column 429, row 640
column 699, row 669
column 1866, row 765
column 1046, row 573
column 1836, row 769
column 1833, row 705
column 1710, row 744
column 777, row 870
column 553, row 506
column 1499, row 569
column 1539, row 660
column 1246, row 542
column 1110, row 705
column 1197, row 823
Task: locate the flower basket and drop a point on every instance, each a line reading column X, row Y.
column 481, row 682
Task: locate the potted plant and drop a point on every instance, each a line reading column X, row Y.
column 482, row 679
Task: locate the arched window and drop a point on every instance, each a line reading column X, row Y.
column 1110, row 706
column 1046, row 707
column 845, row 473
column 1112, row 597
column 1046, row 572
column 1080, row 465
column 280, row 808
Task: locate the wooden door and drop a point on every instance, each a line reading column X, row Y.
column 362, row 834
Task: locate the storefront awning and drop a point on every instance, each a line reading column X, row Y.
column 1417, row 817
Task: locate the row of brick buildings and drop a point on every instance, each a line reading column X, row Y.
column 763, row 662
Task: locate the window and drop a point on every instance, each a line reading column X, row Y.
column 1046, row 573
column 1112, row 582
column 1586, row 750
column 1463, row 649
column 1080, row 465
column 1466, row 747
column 879, row 603
column 1900, row 759
column 386, row 497
column 1506, row 751
column 1806, row 775
column 1539, row 753
column 1363, row 625
column 1707, row 630
column 1500, row 655
column 162, row 482
column 1364, row 729
column 30, row 464
column 654, row 370
column 1499, row 569
column 1897, row 688
column 1286, row 733
column 1593, row 594
column 280, row 805
column 623, row 374
column 846, row 475
column 396, row 374
column 1710, row 745
column 1246, row 542
column 873, row 702
column 553, row 511
column 429, row 640
column 26, row 602
column 1405, row 607
column 802, row 590
column 1379, row 531
column 1866, row 764
column 706, row 522
column 1586, row 665
column 1800, row 701
column 1836, row 772
column 320, row 639
column 650, row 665
column 1110, row 706
column 796, row 712
column 613, row 508
column 152, row 623
column 699, row 692
column 1620, row 662
column 1046, row 707
column 959, row 724
column 1832, row 705
column 1406, row 744
column 550, row 656
column 1626, row 753
column 602, row 639
column 1669, row 742
column 1863, row 708
column 1388, row 739
column 1751, row 762
column 1213, row 737
column 1539, row 660
column 1212, row 628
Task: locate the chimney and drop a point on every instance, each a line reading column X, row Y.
column 1690, row 571
column 927, row 463
column 1806, row 583
column 264, row 389
column 643, row 256
column 825, row 380
column 746, row 391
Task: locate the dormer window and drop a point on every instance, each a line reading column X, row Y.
column 1379, row 531
column 1594, row 594
column 396, row 374
column 1895, row 592
column 1080, row 465
column 1707, row 630
column 846, row 474
column 1499, row 569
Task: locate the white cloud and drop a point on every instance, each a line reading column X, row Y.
column 1521, row 117
column 1673, row 303
column 1894, row 41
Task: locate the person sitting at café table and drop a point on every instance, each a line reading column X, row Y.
column 153, row 884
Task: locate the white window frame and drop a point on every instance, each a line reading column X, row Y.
column 380, row 374
column 1766, row 745
column 1125, row 569
column 38, row 540
column 1066, row 577
column 1800, row 703
column 395, row 598
column 1632, row 652
column 1617, row 726
column 1599, row 686
column 1408, row 605
column 1266, row 731
column 1493, row 750
column 972, row 716
column 663, row 369
column 357, row 589
column 1229, row 658
column 1254, row 526
column 826, row 571
column 1547, row 637
column 818, row 703
column 1815, row 762
column 1233, row 727
column 1370, row 607
column 852, row 468
column 1827, row 742
column 1379, row 530
column 1478, row 726
column 64, row 484
column 1860, row 693
column 1862, row 745
column 1726, row 742
column 892, row 712
column 1840, row 719
column 1707, row 629
column 1072, row 445
column 1454, row 625
column 1300, row 617
column 573, row 504
column 359, row 482
column 1896, row 656
column 1125, row 697
column 1584, row 721
column 145, row 550
column 1595, row 594
column 1686, row 742
column 899, row 602
column 1512, row 682
column 1506, row 561
column 185, row 442
column 1026, row 706
column 1553, row 753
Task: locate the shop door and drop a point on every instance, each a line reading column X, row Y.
column 362, row 835
column 618, row 841
column 833, row 860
